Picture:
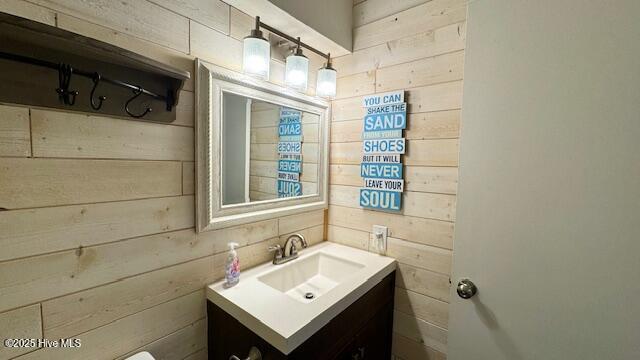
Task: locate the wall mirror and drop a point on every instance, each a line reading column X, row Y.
column 262, row 150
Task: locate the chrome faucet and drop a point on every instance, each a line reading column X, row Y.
column 290, row 251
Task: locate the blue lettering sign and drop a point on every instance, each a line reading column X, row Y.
column 288, row 147
column 381, row 171
column 289, row 165
column 380, row 199
column 384, row 134
column 379, row 122
column 289, row 116
column 387, row 159
column 385, row 109
column 394, row 97
column 289, row 129
column 384, row 146
column 289, row 188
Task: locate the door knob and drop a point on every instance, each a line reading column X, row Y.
column 466, row 289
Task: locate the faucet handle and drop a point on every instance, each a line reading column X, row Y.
column 277, row 249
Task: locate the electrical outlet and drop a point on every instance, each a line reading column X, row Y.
column 379, row 239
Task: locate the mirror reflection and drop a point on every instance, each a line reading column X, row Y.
column 269, row 151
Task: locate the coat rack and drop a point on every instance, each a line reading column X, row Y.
column 68, row 96
column 27, row 45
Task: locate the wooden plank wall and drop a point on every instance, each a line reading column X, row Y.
column 97, row 233
column 417, row 45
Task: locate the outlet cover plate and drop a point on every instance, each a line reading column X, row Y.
column 379, row 239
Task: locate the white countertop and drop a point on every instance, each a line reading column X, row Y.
column 285, row 322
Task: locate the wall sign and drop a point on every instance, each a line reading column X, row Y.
column 289, row 153
column 383, row 145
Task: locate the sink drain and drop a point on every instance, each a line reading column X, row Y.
column 309, row 296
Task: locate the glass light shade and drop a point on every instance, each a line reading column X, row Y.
column 326, row 84
column 297, row 72
column 255, row 57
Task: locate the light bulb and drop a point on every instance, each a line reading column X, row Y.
column 297, row 71
column 255, row 57
column 326, row 82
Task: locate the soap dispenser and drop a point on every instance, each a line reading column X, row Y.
column 232, row 267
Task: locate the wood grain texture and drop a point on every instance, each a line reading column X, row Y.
column 28, row 11
column 76, row 313
column 407, row 349
column 22, row 323
column 420, row 126
column 419, row 255
column 428, row 71
column 141, row 45
column 442, row 180
column 422, row 307
column 64, row 135
column 372, row 10
column 98, row 236
column 179, row 345
column 138, row 18
column 441, row 152
column 212, row 13
column 43, row 230
column 14, row 131
column 416, row 46
column 215, row 47
column 420, row 331
column 350, row 237
column 198, row 355
column 425, row 231
column 121, row 336
column 292, row 223
column 28, row 183
column 188, row 178
column 185, row 110
column 437, row 97
column 431, row 15
column 356, row 85
column 243, row 235
column 401, row 50
column 313, row 235
column 34, row 279
column 424, row 205
column 422, row 281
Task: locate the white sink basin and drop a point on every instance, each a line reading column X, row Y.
column 270, row 299
column 309, row 278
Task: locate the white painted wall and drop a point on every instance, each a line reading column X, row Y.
column 331, row 18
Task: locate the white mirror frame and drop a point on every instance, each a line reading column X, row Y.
column 211, row 82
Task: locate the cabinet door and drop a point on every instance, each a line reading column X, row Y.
column 373, row 342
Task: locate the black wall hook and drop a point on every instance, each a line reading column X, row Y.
column 96, row 105
column 137, row 92
column 68, row 97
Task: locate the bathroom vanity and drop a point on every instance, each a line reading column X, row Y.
column 263, row 154
column 333, row 302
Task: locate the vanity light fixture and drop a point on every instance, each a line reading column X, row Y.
column 296, row 71
column 256, row 59
column 326, row 80
column 256, row 54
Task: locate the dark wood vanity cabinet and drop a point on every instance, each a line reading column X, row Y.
column 361, row 332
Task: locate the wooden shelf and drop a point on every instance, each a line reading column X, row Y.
column 36, row 86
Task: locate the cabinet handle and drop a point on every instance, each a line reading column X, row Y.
column 359, row 355
column 254, row 354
